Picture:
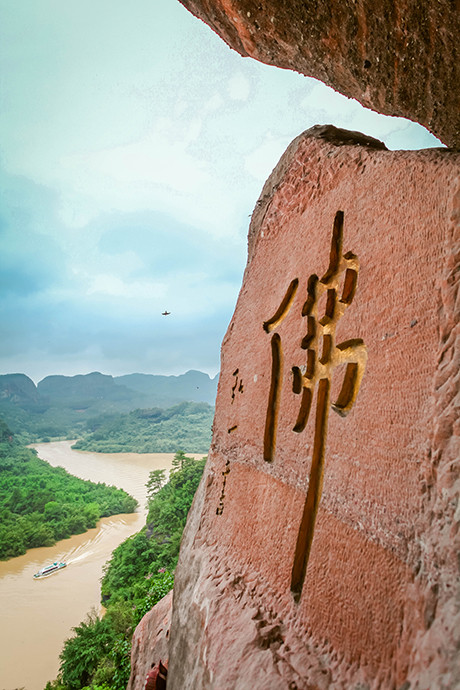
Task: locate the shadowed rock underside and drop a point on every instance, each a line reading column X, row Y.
column 398, row 58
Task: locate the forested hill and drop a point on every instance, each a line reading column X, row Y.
column 60, row 406
column 40, row 504
column 187, row 425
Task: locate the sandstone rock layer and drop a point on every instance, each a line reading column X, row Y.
column 150, row 643
column 399, row 58
column 374, row 480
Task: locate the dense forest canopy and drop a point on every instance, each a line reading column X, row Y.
column 187, row 425
column 40, row 504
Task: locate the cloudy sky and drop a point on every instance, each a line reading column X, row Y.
column 133, row 146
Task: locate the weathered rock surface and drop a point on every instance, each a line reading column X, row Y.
column 150, row 642
column 399, row 58
column 378, row 608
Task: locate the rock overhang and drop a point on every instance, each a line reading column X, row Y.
column 398, row 58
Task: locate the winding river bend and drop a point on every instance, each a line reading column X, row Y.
column 36, row 616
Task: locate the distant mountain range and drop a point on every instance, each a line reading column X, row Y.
column 124, row 391
column 61, row 405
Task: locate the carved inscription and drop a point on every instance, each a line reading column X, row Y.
column 220, row 507
column 237, row 385
column 335, row 290
column 236, row 388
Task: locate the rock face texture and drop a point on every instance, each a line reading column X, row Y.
column 150, row 643
column 397, row 57
column 321, row 548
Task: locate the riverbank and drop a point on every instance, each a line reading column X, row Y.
column 38, row 615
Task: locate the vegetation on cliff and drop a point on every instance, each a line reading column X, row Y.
column 138, row 575
column 98, row 657
column 187, row 425
column 40, row 504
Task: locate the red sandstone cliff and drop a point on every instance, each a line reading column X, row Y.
column 399, row 57
column 150, row 642
column 378, row 605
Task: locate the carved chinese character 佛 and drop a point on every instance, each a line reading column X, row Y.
column 321, row 357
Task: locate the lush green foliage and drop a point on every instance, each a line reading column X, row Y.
column 40, row 504
column 157, row 544
column 136, row 578
column 157, row 479
column 36, row 424
column 80, row 657
column 187, row 425
column 99, row 654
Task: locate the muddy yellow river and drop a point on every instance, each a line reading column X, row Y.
column 36, row 616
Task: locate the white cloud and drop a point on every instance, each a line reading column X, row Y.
column 158, row 172
column 161, row 157
column 261, row 161
column 214, row 103
column 324, row 99
column 239, row 87
column 113, row 286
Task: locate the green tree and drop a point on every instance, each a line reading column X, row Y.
column 92, row 514
column 178, row 461
column 81, row 654
column 15, row 500
column 157, row 478
column 12, row 542
column 53, row 511
column 41, row 535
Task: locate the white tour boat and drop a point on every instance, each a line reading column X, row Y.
column 50, row 569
